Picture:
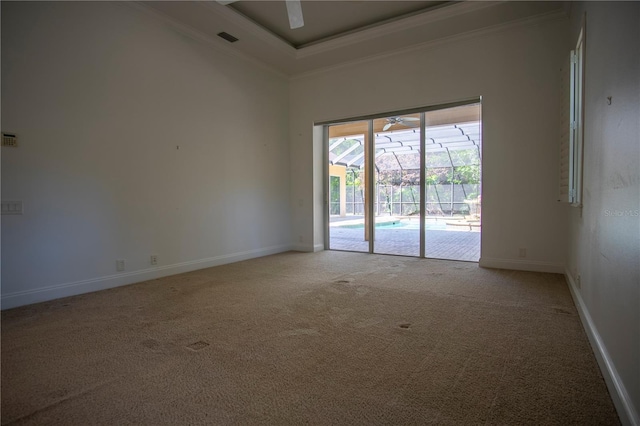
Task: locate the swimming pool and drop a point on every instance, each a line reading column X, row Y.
column 400, row 224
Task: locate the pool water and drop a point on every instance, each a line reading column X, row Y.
column 401, row 224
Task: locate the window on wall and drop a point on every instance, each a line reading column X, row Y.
column 573, row 137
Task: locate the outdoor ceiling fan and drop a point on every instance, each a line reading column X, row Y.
column 294, row 10
column 403, row 121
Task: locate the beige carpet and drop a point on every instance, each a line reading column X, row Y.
column 298, row 338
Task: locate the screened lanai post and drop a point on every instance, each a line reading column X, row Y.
column 343, row 192
column 341, row 173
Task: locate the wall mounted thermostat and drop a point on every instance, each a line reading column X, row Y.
column 9, row 139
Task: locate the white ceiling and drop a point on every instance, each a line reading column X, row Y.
column 338, row 32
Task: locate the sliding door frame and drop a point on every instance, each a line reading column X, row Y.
column 325, row 184
column 370, row 160
column 423, row 198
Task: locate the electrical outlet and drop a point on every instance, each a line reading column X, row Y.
column 154, row 259
column 300, row 239
column 578, row 283
column 523, row 252
column 120, row 265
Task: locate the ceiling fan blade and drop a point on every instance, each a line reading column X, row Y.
column 410, row 119
column 386, row 127
column 225, row 2
column 294, row 9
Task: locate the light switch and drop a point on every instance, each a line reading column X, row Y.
column 11, row 207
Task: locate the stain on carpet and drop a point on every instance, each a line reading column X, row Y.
column 197, row 345
column 151, row 344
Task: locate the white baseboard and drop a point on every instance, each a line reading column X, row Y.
column 43, row 294
column 621, row 399
column 521, row 265
column 308, row 248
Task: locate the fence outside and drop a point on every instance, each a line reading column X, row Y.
column 404, row 200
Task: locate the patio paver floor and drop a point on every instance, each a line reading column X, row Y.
column 440, row 244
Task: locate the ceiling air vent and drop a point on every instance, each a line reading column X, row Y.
column 228, row 37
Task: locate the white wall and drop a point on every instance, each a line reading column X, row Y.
column 604, row 246
column 100, row 95
column 517, row 72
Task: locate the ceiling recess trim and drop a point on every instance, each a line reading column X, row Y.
column 481, row 32
column 353, row 37
column 383, row 29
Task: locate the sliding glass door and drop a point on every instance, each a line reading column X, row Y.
column 396, row 180
column 348, row 151
column 452, row 177
column 407, row 184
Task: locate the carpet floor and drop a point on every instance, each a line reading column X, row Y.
column 328, row 338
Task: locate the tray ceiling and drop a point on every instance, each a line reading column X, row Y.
column 328, row 19
column 338, row 32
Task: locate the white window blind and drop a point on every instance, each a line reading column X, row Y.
column 565, row 122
